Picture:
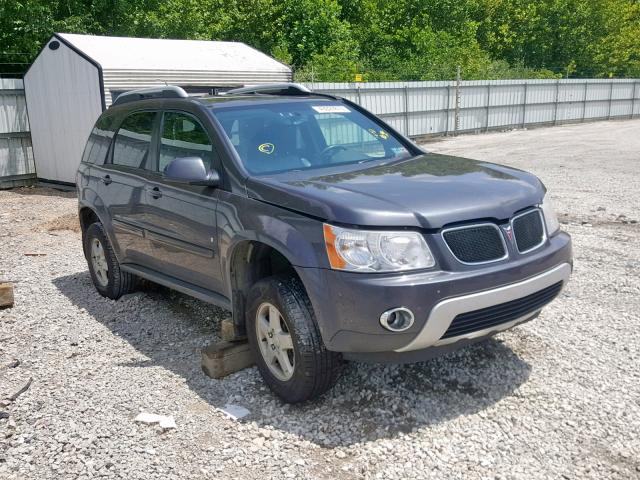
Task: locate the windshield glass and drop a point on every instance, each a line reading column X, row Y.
column 275, row 137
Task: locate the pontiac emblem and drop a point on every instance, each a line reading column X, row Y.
column 508, row 232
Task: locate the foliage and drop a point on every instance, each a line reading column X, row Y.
column 332, row 40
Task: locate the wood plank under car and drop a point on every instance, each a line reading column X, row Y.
column 6, row 295
column 224, row 358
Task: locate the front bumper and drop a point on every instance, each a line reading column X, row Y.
column 348, row 305
column 445, row 311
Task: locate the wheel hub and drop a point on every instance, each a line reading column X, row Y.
column 275, row 342
column 99, row 262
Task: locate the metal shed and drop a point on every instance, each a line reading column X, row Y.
column 16, row 157
column 76, row 77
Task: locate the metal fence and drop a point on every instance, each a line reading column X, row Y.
column 17, row 166
column 414, row 108
column 443, row 108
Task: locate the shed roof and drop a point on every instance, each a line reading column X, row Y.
column 163, row 54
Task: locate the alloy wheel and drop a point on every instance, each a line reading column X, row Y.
column 275, row 342
column 99, row 262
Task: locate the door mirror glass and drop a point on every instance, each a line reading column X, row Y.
column 192, row 171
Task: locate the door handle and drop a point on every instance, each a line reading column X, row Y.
column 155, row 192
column 107, row 179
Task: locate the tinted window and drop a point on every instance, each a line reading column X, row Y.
column 183, row 136
column 133, row 140
column 304, row 134
column 99, row 141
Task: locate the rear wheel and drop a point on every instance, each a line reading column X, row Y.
column 104, row 268
column 286, row 342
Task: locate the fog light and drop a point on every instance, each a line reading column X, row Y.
column 397, row 319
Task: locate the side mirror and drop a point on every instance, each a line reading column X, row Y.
column 191, row 170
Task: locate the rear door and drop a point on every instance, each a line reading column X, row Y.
column 122, row 182
column 182, row 218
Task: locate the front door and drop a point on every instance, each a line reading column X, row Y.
column 122, row 182
column 182, row 218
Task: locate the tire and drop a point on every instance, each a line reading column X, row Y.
column 115, row 282
column 315, row 369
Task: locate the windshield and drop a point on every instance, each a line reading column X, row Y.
column 275, row 137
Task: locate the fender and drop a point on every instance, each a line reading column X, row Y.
column 296, row 237
column 89, row 198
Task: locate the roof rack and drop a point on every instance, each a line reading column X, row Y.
column 271, row 89
column 169, row 91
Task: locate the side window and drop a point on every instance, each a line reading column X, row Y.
column 133, row 140
column 99, row 140
column 183, row 136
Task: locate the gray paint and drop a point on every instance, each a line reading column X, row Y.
column 444, row 312
column 185, row 236
column 351, row 325
column 427, row 191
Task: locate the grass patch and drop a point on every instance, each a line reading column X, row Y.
column 68, row 221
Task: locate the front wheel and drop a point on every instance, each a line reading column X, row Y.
column 286, row 342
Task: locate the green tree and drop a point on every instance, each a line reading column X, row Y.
column 598, row 37
column 381, row 39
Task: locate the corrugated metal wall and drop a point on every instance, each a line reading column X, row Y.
column 16, row 153
column 436, row 108
column 414, row 108
column 116, row 80
column 63, row 88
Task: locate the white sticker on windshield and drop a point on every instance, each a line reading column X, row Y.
column 331, row 109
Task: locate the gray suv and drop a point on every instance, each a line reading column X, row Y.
column 328, row 234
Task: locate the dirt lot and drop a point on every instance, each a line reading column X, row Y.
column 558, row 397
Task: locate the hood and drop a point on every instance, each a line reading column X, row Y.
column 427, row 191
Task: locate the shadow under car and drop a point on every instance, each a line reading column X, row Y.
column 370, row 401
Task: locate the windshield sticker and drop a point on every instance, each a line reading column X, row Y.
column 331, row 109
column 267, row 148
column 381, row 134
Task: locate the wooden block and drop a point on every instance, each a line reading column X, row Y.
column 6, row 295
column 227, row 330
column 224, row 358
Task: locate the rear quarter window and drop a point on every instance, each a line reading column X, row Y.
column 99, row 140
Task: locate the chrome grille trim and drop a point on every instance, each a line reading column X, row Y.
column 483, row 224
column 544, row 230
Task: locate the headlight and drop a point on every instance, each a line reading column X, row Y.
column 550, row 217
column 376, row 251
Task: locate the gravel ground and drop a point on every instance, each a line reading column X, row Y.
column 557, row 397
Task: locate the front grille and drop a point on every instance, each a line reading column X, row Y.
column 498, row 314
column 476, row 243
column 528, row 230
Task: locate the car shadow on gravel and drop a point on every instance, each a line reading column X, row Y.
column 369, row 402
